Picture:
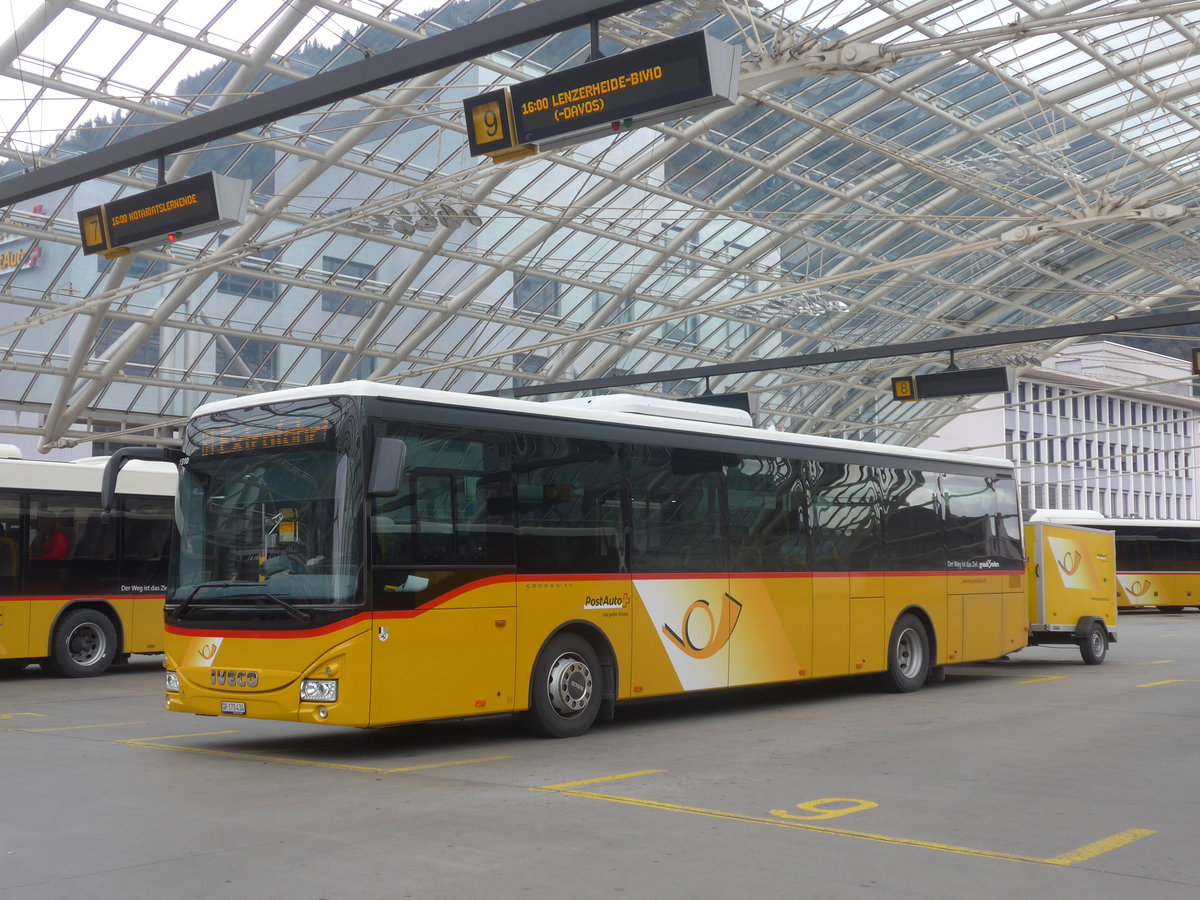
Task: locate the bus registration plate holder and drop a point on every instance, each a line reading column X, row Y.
column 233, row 708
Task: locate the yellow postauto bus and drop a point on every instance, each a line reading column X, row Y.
column 77, row 594
column 363, row 554
column 1158, row 560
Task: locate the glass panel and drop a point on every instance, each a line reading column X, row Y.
column 569, row 506
column 845, row 504
column 768, row 516
column 10, row 539
column 147, row 541
column 982, row 522
column 912, row 526
column 455, row 502
column 269, row 504
column 69, row 548
column 676, row 508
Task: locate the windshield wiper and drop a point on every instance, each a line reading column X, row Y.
column 291, row 609
column 207, row 584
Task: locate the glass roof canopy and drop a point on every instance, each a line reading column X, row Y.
column 879, row 181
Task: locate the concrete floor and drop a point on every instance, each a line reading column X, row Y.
column 1032, row 777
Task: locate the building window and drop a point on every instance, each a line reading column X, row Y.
column 141, row 267
column 348, row 274
column 535, row 296
column 246, row 285
column 144, row 359
column 683, row 332
column 330, row 362
column 527, row 362
column 242, row 362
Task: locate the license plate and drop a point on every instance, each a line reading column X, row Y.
column 233, row 707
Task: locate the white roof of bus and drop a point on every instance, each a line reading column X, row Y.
column 84, row 475
column 1093, row 519
column 575, row 409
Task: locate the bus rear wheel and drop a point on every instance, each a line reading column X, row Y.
column 908, row 656
column 83, row 645
column 566, row 689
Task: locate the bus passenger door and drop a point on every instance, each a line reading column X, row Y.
column 14, row 602
column 443, row 623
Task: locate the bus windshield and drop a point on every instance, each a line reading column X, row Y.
column 268, row 511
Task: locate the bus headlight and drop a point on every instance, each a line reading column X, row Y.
column 321, row 690
column 172, row 682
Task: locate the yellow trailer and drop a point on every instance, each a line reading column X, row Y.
column 1071, row 587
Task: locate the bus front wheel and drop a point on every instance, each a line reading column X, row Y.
column 908, row 656
column 83, row 645
column 566, row 690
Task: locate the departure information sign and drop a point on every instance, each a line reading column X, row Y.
column 197, row 205
column 689, row 74
column 667, row 79
column 954, row 383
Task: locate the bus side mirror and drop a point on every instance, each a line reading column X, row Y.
column 386, row 467
column 116, row 462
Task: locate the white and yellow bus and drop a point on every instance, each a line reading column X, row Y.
column 361, row 554
column 77, row 594
column 1158, row 560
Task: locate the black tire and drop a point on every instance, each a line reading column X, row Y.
column 1093, row 646
column 83, row 645
column 566, row 689
column 908, row 656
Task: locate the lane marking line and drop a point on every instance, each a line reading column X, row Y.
column 1043, row 678
column 74, row 727
column 1081, row 854
column 155, row 744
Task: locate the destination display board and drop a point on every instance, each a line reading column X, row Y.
column 194, row 206
column 689, row 74
column 954, row 383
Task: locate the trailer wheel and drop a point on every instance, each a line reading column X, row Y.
column 84, row 644
column 1093, row 646
column 908, row 656
column 567, row 687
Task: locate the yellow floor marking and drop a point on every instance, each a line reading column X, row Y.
column 75, row 727
column 1091, row 851
column 1043, row 678
column 1170, row 681
column 604, row 780
column 163, row 737
column 16, row 715
column 153, row 743
column 1157, row 662
column 1087, row 852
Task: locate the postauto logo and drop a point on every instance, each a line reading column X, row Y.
column 1073, row 564
column 717, row 633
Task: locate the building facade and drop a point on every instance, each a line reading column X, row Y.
column 1101, row 427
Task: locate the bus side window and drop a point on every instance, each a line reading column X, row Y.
column 10, row 533
column 677, row 517
column 845, row 515
column 568, row 505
